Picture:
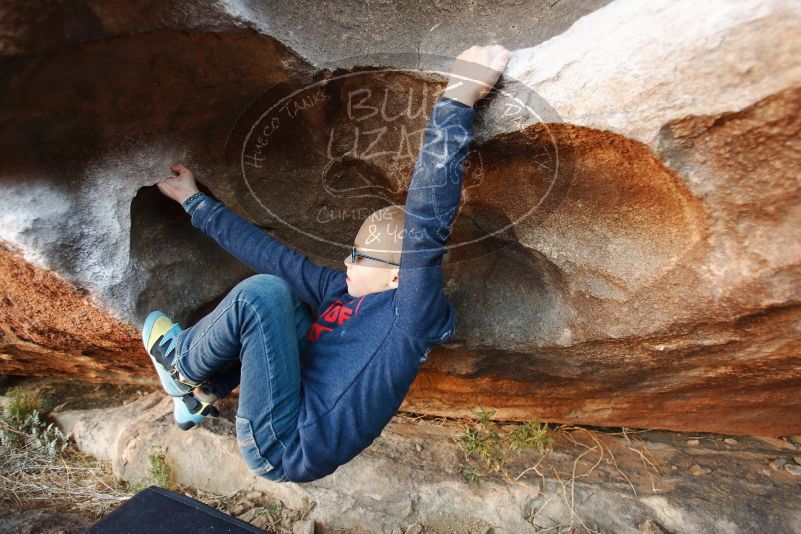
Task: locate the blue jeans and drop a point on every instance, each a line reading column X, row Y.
column 253, row 339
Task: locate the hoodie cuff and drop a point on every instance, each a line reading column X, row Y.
column 193, row 201
column 449, row 100
column 448, row 111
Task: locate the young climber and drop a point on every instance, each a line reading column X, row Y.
column 323, row 358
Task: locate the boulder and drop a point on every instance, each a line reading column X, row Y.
column 628, row 245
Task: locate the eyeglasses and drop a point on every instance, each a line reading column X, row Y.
column 354, row 254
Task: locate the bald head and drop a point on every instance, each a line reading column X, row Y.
column 381, row 234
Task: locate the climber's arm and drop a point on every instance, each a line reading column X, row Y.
column 247, row 242
column 259, row 250
column 432, row 204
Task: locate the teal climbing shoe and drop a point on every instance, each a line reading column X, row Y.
column 159, row 335
column 189, row 411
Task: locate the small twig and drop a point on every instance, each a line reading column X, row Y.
column 10, row 429
column 644, row 460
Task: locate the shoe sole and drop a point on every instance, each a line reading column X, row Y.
column 156, row 325
column 184, row 418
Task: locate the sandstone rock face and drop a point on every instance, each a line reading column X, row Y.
column 50, row 327
column 638, row 176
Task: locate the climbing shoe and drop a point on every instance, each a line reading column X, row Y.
column 159, row 335
column 189, row 411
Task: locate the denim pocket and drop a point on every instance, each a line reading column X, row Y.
column 248, row 448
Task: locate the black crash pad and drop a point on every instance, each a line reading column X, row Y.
column 155, row 510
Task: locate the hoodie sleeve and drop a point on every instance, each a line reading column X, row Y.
column 259, row 250
column 432, row 204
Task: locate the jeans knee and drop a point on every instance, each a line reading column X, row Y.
column 257, row 464
column 249, row 450
column 264, row 286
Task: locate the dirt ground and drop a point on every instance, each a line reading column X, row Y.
column 696, row 467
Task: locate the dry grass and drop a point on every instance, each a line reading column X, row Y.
column 34, row 475
column 40, row 467
column 597, row 449
column 71, row 481
column 481, row 439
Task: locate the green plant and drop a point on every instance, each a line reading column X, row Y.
column 275, row 506
column 529, row 435
column 483, row 439
column 471, row 474
column 22, row 425
column 44, row 435
column 160, row 472
column 22, row 402
column 470, row 440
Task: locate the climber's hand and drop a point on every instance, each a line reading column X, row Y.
column 475, row 72
column 181, row 185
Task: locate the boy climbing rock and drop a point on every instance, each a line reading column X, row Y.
column 323, row 358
